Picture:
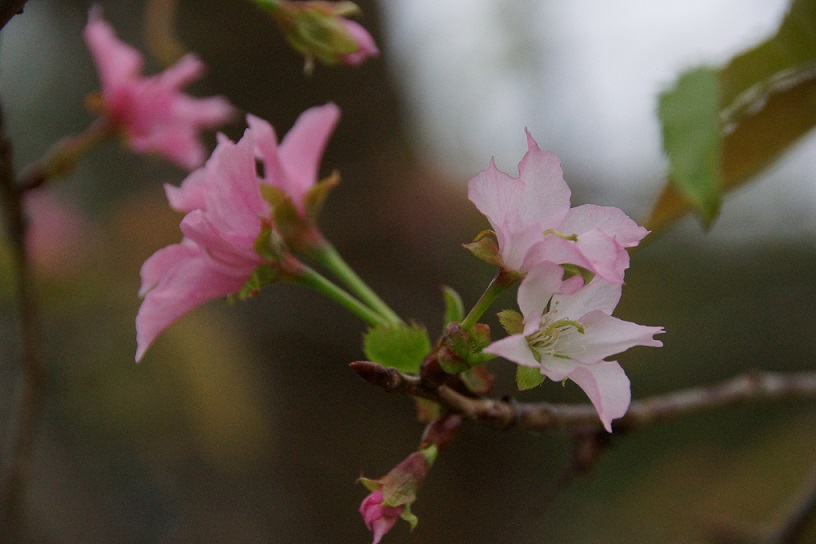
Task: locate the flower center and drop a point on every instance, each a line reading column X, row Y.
column 553, row 339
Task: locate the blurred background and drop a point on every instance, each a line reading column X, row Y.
column 243, row 422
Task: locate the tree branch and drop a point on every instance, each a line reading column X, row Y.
column 8, row 9
column 25, row 404
column 507, row 413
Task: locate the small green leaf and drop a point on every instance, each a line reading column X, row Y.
column 692, row 139
column 401, row 346
column 454, row 309
column 512, row 321
column 528, row 377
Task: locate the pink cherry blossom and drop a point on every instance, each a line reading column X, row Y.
column 379, row 518
column 533, row 221
column 217, row 255
column 153, row 113
column 225, row 215
column 568, row 336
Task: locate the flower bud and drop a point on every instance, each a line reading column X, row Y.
column 319, row 30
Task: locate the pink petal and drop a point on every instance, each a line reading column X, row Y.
column 597, row 295
column 535, row 292
column 365, row 43
column 546, row 196
column 266, row 149
column 514, row 348
column 303, row 146
column 606, row 335
column 607, row 387
column 116, row 62
column 611, row 221
column 182, row 278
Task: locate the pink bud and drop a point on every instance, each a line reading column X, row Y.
column 379, row 518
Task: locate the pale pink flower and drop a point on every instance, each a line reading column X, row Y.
column 533, row 221
column 568, row 336
column 153, row 113
column 379, row 518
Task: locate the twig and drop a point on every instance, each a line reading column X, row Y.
column 506, row 413
column 28, row 390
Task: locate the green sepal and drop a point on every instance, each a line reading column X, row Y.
column 262, row 275
column 410, row 517
column 571, row 270
column 486, row 247
column 316, row 195
column 479, row 337
column 285, row 216
column 401, row 346
column 512, row 321
column 454, row 308
column 528, row 377
column 269, row 243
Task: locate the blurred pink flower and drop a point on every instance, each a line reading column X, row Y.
column 533, row 221
column 153, row 113
column 570, row 335
column 379, row 518
column 57, row 234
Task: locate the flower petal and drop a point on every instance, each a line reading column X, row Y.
column 546, row 196
column 611, row 221
column 177, row 279
column 514, row 348
column 607, row 387
column 606, row 335
column 303, row 146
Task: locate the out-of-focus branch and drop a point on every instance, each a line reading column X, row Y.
column 789, row 529
column 507, row 413
column 28, row 390
column 8, row 9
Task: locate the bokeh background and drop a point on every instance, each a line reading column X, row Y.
column 244, row 424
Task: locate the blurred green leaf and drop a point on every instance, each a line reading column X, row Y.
column 454, row 309
column 690, row 115
column 765, row 100
column 401, row 346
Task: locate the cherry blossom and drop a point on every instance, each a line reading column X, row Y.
column 568, row 336
column 226, row 213
column 533, row 221
column 152, row 112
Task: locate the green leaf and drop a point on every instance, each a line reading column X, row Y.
column 401, row 346
column 454, row 309
column 512, row 321
column 528, row 377
column 692, row 139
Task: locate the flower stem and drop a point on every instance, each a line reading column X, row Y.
column 313, row 279
column 329, row 257
column 502, row 281
column 63, row 156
